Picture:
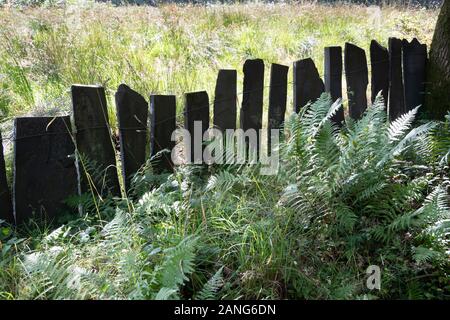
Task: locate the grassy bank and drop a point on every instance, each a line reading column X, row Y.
column 344, row 198
column 173, row 49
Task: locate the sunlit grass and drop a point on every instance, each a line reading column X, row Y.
column 173, row 49
column 267, row 238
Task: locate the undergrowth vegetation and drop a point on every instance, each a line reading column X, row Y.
column 173, row 49
column 344, row 198
column 367, row 193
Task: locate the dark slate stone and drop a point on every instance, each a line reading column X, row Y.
column 379, row 60
column 333, row 78
column 132, row 115
column 44, row 167
column 308, row 86
column 94, row 140
column 356, row 74
column 225, row 98
column 252, row 100
column 414, row 72
column 396, row 105
column 277, row 97
column 162, row 124
column 6, row 212
column 196, row 109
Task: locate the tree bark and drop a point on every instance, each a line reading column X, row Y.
column 438, row 82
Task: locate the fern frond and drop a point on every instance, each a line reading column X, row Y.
column 178, row 263
column 211, row 287
column 400, row 125
column 167, row 293
column 422, row 254
column 406, row 141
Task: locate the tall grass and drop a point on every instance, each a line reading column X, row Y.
column 367, row 193
column 309, row 232
column 173, row 49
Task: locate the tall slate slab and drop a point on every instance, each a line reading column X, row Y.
column 196, row 109
column 6, row 212
column 308, row 86
column 356, row 75
column 396, row 105
column 379, row 60
column 162, row 124
column 277, row 97
column 132, row 116
column 333, row 78
column 94, row 141
column 225, row 98
column 44, row 167
column 252, row 100
column 414, row 72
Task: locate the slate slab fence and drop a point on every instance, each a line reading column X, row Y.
column 57, row 157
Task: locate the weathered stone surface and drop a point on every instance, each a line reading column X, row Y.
column 308, row 86
column 277, row 95
column 94, row 140
column 44, row 167
column 414, row 72
column 196, row 109
column 277, row 99
column 252, row 100
column 6, row 212
column 132, row 116
column 396, row 106
column 162, row 124
column 333, row 78
column 225, row 98
column 356, row 74
column 379, row 60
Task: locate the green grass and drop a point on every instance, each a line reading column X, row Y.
column 369, row 193
column 173, row 49
column 343, row 199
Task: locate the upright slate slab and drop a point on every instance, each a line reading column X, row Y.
column 308, row 86
column 379, row 60
column 333, row 77
column 252, row 100
column 196, row 109
column 6, row 212
column 44, row 167
column 396, row 105
column 225, row 98
column 93, row 140
column 414, row 72
column 132, row 115
column 356, row 75
column 277, row 97
column 162, row 124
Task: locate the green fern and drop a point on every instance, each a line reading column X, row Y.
column 211, row 287
column 177, row 266
column 422, row 254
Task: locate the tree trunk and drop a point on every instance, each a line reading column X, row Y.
column 438, row 98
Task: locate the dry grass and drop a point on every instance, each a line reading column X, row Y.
column 173, row 49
